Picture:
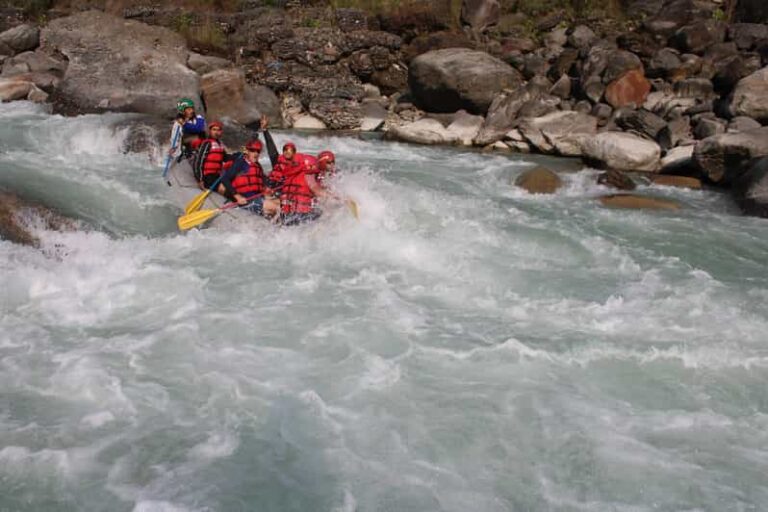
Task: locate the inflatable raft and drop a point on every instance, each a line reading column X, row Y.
column 184, row 188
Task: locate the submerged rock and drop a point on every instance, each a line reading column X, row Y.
column 19, row 219
column 676, row 181
column 539, row 180
column 634, row 201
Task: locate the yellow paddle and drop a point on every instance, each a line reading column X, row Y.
column 352, row 205
column 196, row 203
column 195, row 219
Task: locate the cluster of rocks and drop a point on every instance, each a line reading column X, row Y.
column 682, row 92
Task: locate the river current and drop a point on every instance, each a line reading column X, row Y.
column 463, row 346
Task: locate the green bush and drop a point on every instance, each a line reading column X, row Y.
column 31, row 8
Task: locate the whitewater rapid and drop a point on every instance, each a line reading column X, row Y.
column 463, row 346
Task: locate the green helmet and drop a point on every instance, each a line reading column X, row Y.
column 184, row 103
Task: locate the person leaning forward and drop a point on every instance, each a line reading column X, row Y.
column 245, row 182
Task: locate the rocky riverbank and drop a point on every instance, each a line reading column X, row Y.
column 666, row 86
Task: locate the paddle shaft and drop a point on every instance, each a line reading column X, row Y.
column 176, row 133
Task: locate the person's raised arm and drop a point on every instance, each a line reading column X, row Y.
column 271, row 148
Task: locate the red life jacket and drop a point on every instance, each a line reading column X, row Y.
column 295, row 194
column 251, row 182
column 214, row 160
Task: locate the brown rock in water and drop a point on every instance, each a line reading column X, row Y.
column 638, row 202
column 539, row 180
column 616, row 179
column 632, row 87
column 676, row 181
column 12, row 226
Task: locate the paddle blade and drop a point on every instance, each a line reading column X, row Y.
column 195, row 219
column 197, row 202
column 352, row 205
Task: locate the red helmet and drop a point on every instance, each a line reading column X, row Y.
column 254, row 145
column 216, row 124
column 289, row 145
column 324, row 158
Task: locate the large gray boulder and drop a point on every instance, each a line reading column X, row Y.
column 725, row 157
column 750, row 97
column 457, row 78
column 751, row 189
column 622, row 151
column 228, row 96
column 561, row 133
column 21, row 38
column 117, row 64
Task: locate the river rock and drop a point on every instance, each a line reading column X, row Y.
column 464, row 128
column 698, row 36
column 12, row 89
column 677, row 158
column 34, row 62
column 480, row 14
column 633, row 201
column 203, row 64
column 228, row 96
column 539, row 180
column 581, row 37
column 374, row 116
column 21, row 38
column 676, row 181
column 16, row 216
column 337, row 113
column 725, row 157
column 746, row 35
column 622, row 151
column 616, row 179
column 751, row 189
column 664, row 64
column 456, row 78
column 708, row 127
column 562, row 132
column 641, row 121
column 117, row 64
column 307, row 122
column 750, row 97
column 502, row 114
column 742, row 124
column 671, row 15
column 423, row 131
column 630, row 88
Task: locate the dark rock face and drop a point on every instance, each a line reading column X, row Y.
column 456, row 78
column 751, row 190
column 752, row 11
column 121, row 65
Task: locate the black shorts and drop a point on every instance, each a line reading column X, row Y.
column 209, row 180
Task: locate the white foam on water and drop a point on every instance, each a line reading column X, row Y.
column 462, row 345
